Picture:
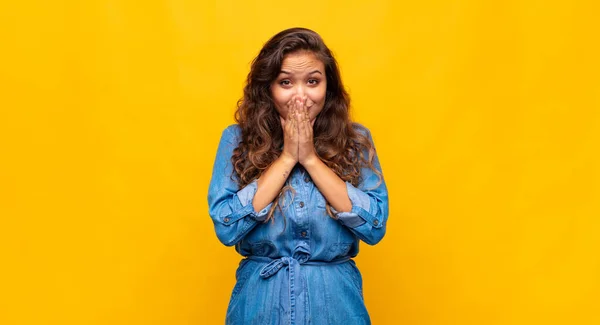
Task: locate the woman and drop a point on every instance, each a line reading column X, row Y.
column 295, row 186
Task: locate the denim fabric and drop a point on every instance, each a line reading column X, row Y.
column 297, row 267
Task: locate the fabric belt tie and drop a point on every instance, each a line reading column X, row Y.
column 293, row 264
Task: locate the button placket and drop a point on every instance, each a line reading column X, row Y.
column 301, row 205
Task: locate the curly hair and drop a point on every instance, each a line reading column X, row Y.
column 342, row 145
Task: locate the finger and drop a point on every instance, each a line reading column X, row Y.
column 303, row 129
column 301, row 123
column 290, row 112
column 293, row 102
column 294, row 110
column 293, row 116
column 295, row 105
column 295, row 119
column 292, row 120
column 301, row 109
column 308, row 128
column 291, row 106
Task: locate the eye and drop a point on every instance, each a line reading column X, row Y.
column 313, row 81
column 285, row 82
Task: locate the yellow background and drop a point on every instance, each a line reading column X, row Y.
column 485, row 114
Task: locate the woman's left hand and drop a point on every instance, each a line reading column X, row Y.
column 306, row 148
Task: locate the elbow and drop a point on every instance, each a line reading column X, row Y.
column 226, row 234
column 227, row 241
column 378, row 227
column 225, row 237
column 375, row 236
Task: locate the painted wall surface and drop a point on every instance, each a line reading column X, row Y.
column 485, row 114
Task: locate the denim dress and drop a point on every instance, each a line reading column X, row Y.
column 297, row 267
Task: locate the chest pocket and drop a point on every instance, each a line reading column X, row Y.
column 338, row 250
column 264, row 248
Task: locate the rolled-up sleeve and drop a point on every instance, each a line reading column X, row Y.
column 370, row 208
column 231, row 208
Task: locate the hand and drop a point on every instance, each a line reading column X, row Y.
column 290, row 132
column 306, row 147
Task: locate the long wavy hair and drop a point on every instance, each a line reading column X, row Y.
column 338, row 142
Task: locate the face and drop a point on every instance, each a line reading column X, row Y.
column 304, row 75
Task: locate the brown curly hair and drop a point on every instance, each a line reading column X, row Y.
column 342, row 145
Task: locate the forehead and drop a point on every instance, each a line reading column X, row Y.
column 301, row 61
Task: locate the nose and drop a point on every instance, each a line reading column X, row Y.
column 300, row 91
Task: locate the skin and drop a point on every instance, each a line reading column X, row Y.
column 302, row 75
column 299, row 96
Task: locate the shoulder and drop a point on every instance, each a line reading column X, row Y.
column 361, row 129
column 232, row 133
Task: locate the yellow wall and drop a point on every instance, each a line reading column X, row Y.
column 486, row 116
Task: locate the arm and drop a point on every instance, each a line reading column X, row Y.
column 231, row 208
column 234, row 212
column 272, row 180
column 364, row 208
column 329, row 184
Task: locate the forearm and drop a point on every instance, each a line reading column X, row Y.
column 329, row 184
column 272, row 180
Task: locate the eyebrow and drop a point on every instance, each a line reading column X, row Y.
column 316, row 71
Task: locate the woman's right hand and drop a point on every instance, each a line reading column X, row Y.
column 290, row 130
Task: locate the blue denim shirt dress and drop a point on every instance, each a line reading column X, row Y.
column 298, row 270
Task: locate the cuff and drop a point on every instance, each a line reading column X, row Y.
column 361, row 207
column 246, row 195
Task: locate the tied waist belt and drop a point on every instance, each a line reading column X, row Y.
column 277, row 264
column 293, row 264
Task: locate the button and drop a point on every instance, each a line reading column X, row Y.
column 376, row 222
column 303, row 234
column 226, row 219
column 302, row 204
column 306, row 179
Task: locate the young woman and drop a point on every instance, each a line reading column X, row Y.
column 295, row 186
